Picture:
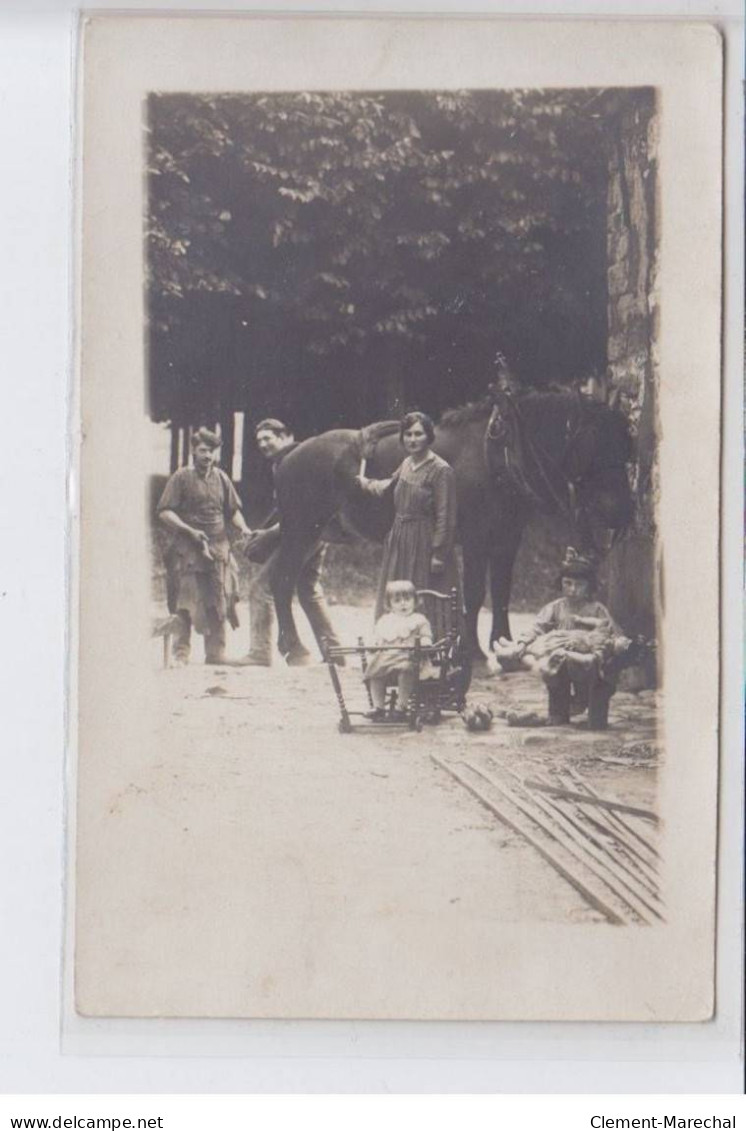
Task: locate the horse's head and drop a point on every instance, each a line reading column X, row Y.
column 598, row 451
column 563, row 452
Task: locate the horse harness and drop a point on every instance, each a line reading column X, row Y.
column 514, row 459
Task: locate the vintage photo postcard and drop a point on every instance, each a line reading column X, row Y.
column 397, row 624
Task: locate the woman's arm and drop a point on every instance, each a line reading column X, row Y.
column 376, row 487
column 444, row 498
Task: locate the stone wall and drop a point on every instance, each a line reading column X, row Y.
column 635, row 566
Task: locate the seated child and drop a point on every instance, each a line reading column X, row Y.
column 575, row 646
column 399, row 625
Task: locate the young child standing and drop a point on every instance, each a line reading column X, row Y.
column 574, row 645
column 400, row 625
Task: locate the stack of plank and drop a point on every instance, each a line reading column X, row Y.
column 603, row 847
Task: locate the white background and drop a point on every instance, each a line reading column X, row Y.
column 37, row 47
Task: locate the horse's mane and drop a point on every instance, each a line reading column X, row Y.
column 465, row 414
column 481, row 409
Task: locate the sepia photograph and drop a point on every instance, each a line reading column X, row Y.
column 384, row 628
column 329, row 275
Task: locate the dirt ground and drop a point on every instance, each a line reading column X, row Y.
column 247, row 857
column 364, row 822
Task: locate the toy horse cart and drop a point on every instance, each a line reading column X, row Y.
column 442, row 673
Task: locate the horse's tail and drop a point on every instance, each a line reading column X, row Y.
column 372, row 433
column 348, row 460
column 352, row 460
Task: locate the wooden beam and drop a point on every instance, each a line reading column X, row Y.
column 589, row 799
column 577, row 812
column 227, row 443
column 637, row 884
column 642, row 863
column 617, row 820
column 580, row 886
column 174, row 453
column 579, row 848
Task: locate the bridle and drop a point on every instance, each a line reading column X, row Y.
column 529, row 470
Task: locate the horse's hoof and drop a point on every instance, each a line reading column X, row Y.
column 298, row 659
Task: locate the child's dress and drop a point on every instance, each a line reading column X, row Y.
column 392, row 629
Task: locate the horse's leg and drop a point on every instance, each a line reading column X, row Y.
column 311, row 599
column 502, row 558
column 475, row 579
column 284, row 570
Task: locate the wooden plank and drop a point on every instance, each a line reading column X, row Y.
column 583, row 785
column 636, row 884
column 643, row 862
column 173, row 461
column 227, row 437
column 575, row 881
column 592, row 799
column 626, row 854
column 580, row 849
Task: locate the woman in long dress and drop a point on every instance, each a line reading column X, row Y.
column 420, row 547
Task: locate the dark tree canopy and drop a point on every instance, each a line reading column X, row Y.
column 334, row 257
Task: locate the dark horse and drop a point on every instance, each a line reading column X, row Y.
column 510, row 453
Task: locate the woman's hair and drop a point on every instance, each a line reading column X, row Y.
column 393, row 587
column 417, row 418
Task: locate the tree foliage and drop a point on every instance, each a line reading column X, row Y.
column 331, row 256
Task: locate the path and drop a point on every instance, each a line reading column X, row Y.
column 256, row 810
